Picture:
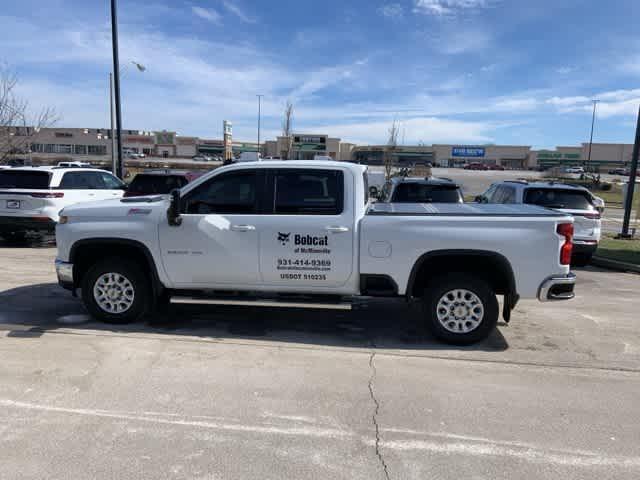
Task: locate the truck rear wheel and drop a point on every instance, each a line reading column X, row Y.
column 460, row 309
column 116, row 291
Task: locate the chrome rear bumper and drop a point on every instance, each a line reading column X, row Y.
column 557, row 288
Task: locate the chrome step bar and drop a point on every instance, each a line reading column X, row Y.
column 260, row 302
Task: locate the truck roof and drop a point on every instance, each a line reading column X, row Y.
column 354, row 167
column 543, row 184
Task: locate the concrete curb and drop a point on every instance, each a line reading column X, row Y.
column 615, row 264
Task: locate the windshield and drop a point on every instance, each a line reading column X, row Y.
column 22, row 179
column 558, row 198
column 156, row 183
column 423, row 193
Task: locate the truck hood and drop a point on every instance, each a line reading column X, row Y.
column 118, row 207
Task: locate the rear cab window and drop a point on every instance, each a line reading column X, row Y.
column 24, row 179
column 559, row 198
column 425, row 193
column 308, row 192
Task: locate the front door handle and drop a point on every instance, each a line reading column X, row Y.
column 337, row 229
column 242, row 228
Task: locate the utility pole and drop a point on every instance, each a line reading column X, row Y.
column 593, row 120
column 259, row 115
column 628, row 201
column 116, row 77
column 114, row 166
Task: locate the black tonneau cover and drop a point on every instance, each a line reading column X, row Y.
column 462, row 209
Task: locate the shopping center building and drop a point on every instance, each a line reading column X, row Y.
column 49, row 145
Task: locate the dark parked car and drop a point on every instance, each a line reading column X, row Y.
column 422, row 190
column 495, row 166
column 158, row 183
column 476, row 166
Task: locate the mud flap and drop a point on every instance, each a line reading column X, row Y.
column 510, row 301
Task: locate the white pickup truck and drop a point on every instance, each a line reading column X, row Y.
column 304, row 234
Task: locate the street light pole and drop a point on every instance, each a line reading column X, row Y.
column 593, row 120
column 114, row 166
column 116, row 76
column 628, row 201
column 259, row 115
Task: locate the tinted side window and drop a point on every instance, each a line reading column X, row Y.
column 110, row 181
column 22, row 179
column 421, row 193
column 490, row 194
column 558, row 198
column 82, row 181
column 365, row 179
column 308, row 192
column 508, row 195
column 497, row 195
column 230, row 193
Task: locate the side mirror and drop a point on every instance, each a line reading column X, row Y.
column 479, row 199
column 373, row 191
column 173, row 213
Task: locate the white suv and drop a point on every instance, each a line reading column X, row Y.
column 32, row 197
column 576, row 201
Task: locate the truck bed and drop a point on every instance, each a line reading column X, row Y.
column 462, row 209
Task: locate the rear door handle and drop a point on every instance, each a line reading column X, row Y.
column 337, row 229
column 242, row 228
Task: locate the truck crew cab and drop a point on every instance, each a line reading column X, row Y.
column 303, row 234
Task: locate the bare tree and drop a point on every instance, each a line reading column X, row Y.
column 17, row 124
column 390, row 149
column 287, row 125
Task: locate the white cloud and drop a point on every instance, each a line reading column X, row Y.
column 611, row 103
column 392, row 10
column 456, row 41
column 237, row 11
column 565, row 102
column 417, row 129
column 516, row 104
column 447, row 7
column 208, row 14
column 565, row 70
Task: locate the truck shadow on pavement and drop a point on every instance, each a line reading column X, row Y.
column 30, row 311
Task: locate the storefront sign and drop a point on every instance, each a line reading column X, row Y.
column 138, row 139
column 558, row 156
column 467, row 152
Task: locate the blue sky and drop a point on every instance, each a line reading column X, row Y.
column 450, row 71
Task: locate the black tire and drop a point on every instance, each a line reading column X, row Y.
column 14, row 237
column 140, row 284
column 444, row 284
column 581, row 259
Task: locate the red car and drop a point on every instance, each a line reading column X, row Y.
column 496, row 167
column 476, row 166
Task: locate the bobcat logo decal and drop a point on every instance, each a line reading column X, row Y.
column 283, row 238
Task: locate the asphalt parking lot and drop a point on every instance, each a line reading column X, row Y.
column 239, row 393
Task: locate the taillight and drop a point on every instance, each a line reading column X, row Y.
column 592, row 216
column 46, row 194
column 566, row 230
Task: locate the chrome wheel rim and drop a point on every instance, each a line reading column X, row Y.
column 460, row 311
column 113, row 292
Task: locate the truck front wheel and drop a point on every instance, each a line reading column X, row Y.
column 116, row 291
column 460, row 309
